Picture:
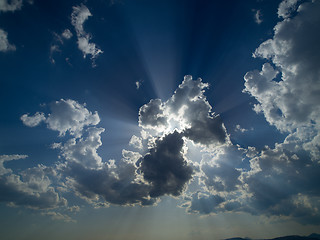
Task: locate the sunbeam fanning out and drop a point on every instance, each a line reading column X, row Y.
column 159, row 119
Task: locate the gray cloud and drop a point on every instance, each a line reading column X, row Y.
column 12, row 5
column 5, row 46
column 31, row 188
column 165, row 167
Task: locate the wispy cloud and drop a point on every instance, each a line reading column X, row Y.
column 5, row 46
column 79, row 15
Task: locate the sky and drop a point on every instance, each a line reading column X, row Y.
column 165, row 119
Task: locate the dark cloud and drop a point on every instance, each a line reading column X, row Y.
column 151, row 115
column 31, row 188
column 165, row 167
column 204, row 204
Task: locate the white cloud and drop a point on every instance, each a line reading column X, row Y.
column 67, row 34
column 136, row 142
column 238, row 128
column 79, row 15
column 32, row 121
column 186, row 111
column 286, row 7
column 83, row 150
column 70, row 116
column 5, row 46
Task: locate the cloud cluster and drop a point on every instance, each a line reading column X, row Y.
column 65, row 116
column 78, row 17
column 184, row 149
column 282, row 180
column 31, row 188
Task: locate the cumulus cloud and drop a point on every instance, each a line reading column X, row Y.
column 282, row 180
column 78, row 17
column 31, row 188
column 286, row 7
column 136, row 142
column 187, row 111
column 65, row 116
column 32, row 121
column 165, row 166
column 67, row 34
column 5, row 46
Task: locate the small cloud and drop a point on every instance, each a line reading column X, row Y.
column 238, row 128
column 136, row 142
column 67, row 34
column 5, row 46
column 79, row 15
column 32, row 121
column 258, row 16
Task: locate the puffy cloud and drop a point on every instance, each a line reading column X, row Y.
column 286, row 7
column 151, row 115
column 30, row 188
column 65, row 116
column 83, row 150
column 5, row 46
column 165, row 166
column 186, row 111
column 32, row 121
column 292, row 101
column 67, row 34
column 282, row 180
column 70, row 116
column 136, row 142
column 79, row 15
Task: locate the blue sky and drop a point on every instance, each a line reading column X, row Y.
column 159, row 119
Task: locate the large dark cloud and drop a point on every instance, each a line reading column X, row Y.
column 165, row 167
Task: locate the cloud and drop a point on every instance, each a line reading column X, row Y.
column 79, row 15
column 291, row 101
column 165, row 166
column 5, row 46
column 30, row 188
column 282, row 180
column 67, row 34
column 136, row 142
column 204, row 204
column 258, row 16
column 32, row 121
column 65, row 116
column 186, row 111
column 83, row 150
column 12, row 5
column 58, row 41
column 286, row 7
column 238, row 128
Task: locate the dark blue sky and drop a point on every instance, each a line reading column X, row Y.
column 80, row 120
